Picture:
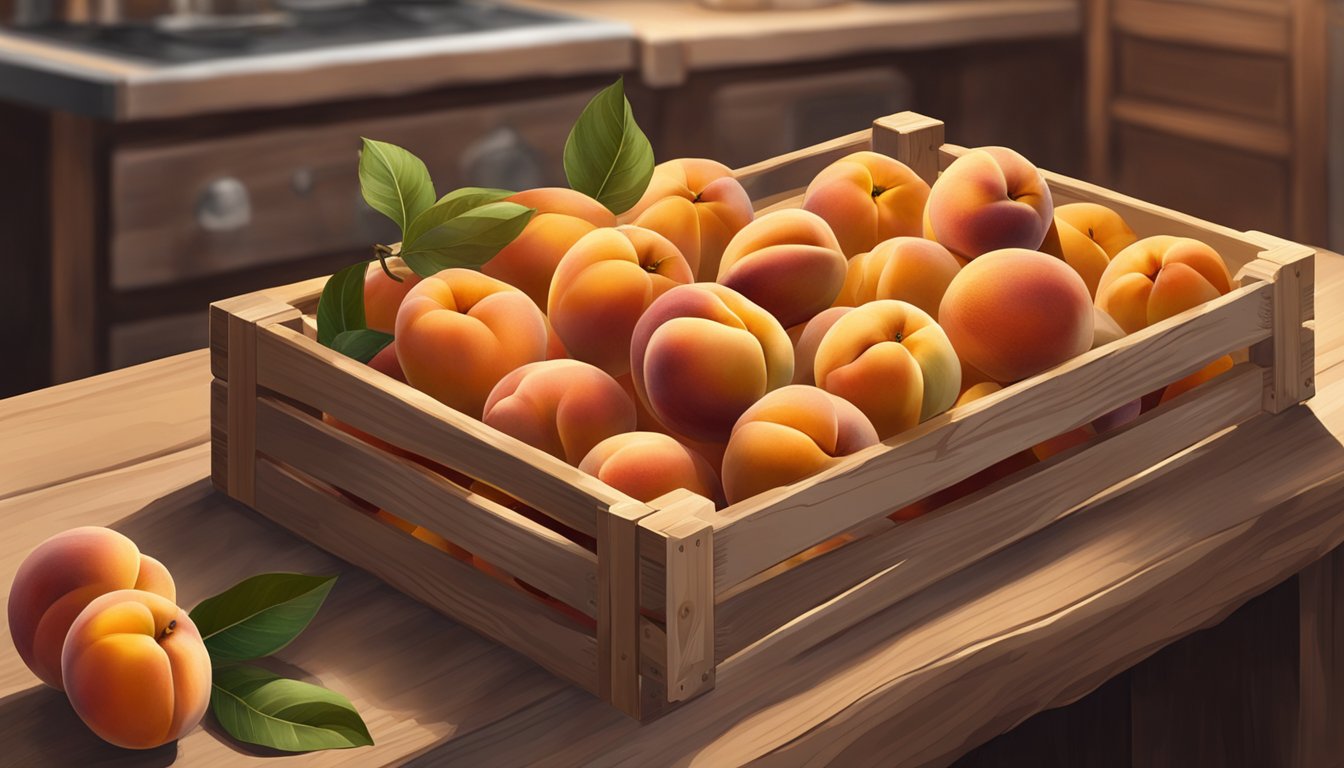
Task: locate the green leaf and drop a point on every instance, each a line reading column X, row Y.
column 607, row 156
column 450, row 206
column 361, row 344
column 258, row 707
column 467, row 240
column 394, row 182
column 341, row 307
column 259, row 615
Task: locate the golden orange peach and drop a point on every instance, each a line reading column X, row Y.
column 867, row 198
column 904, row 268
column 1102, row 225
column 646, row 465
column 460, row 332
column 383, row 295
column 989, row 199
column 698, row 205
column 891, row 360
column 563, row 407
column 562, row 217
column 1159, row 277
column 602, row 286
column 809, row 338
column 788, row 262
column 136, row 669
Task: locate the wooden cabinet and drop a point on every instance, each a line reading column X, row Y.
column 1216, row 107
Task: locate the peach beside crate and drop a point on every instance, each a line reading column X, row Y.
column 674, row 587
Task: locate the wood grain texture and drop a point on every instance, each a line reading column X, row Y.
column 298, row 367
column 1310, row 89
column 1320, row 681
column 753, row 535
column 618, row 600
column 1254, row 30
column 76, row 267
column 789, row 173
column 1211, row 128
column 911, row 138
column 427, row 574
column 686, row 543
column 502, row 537
column 880, row 570
column 169, row 405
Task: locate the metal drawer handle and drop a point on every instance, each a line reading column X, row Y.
column 224, row 206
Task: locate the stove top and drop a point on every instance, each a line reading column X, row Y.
column 294, row 27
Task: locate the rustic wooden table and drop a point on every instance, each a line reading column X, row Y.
column 1036, row 626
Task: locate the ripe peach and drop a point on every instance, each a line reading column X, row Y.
column 905, row 268
column 891, row 360
column 383, row 295
column 646, row 465
column 1014, row 313
column 988, row 199
column 62, row 576
column 602, row 286
column 136, row 670
column 792, row 433
column 809, row 338
column 718, row 208
column 867, row 198
column 788, row 262
column 702, row 354
column 645, row 421
column 563, row 407
column 1158, row 277
column 459, row 332
column 1088, row 259
column 1177, row 388
column 562, row 217
column 385, row 362
column 1102, row 225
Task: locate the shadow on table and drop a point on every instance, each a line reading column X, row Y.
column 38, row 729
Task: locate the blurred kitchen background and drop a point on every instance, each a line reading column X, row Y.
column 159, row 154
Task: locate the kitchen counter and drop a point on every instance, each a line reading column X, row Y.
column 663, row 40
column 1036, row 626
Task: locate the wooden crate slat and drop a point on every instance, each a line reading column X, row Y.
column 522, row 547
column 427, row 574
column 295, row 365
column 618, row 619
column 755, row 534
column 791, row 172
column 911, row 138
column 931, row 547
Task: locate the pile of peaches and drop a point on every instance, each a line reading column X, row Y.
column 692, row 343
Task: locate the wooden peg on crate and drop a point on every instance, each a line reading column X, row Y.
column 911, row 138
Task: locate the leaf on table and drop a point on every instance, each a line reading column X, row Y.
column 258, row 707
column 394, row 182
column 259, row 615
column 607, row 156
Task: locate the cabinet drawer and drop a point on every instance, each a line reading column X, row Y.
column 1232, row 187
column 195, row 209
column 1237, row 83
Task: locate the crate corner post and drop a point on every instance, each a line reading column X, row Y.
column 912, row 138
column 1288, row 356
column 233, row 361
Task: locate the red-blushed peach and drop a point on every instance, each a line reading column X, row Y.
column 136, row 669
column 645, row 421
column 1102, row 225
column 1158, row 277
column 698, row 205
column 989, row 199
column 867, row 197
column 602, row 286
column 891, row 360
column 1207, row 373
column 792, row 433
column 787, row 262
column 1014, row 313
column 702, row 354
column 383, row 295
column 460, row 332
column 809, row 338
column 904, row 268
column 1088, row 259
column 562, row 217
column 64, row 574
column 646, row 465
column 563, row 407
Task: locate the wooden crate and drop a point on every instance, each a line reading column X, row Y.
column 659, row 594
